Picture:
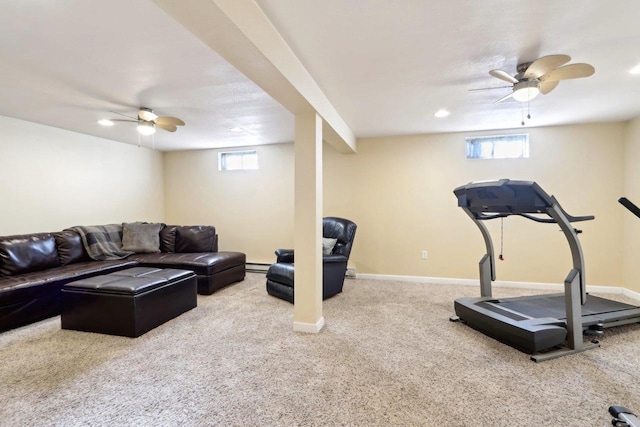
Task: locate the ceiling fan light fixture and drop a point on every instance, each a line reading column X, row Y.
column 526, row 90
column 146, row 128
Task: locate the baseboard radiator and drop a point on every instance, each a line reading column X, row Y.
column 258, row 267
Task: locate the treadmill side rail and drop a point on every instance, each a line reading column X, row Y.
column 572, row 291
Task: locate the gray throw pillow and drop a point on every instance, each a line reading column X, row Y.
column 141, row 237
column 327, row 245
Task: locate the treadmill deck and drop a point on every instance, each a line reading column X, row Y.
column 536, row 323
column 553, row 305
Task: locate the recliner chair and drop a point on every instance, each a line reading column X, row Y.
column 334, row 263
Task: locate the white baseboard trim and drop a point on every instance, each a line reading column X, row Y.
column 309, row 328
column 631, row 294
column 499, row 283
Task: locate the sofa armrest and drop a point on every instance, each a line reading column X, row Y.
column 333, row 259
column 284, row 255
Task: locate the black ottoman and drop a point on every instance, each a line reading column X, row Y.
column 128, row 302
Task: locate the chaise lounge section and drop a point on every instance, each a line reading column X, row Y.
column 35, row 267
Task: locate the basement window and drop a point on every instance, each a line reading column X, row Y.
column 237, row 160
column 515, row 146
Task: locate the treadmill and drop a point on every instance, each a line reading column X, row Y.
column 545, row 326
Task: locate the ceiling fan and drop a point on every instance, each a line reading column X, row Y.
column 148, row 120
column 541, row 76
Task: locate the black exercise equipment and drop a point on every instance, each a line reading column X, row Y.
column 538, row 323
column 622, row 417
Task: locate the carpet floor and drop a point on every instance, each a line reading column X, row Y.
column 387, row 356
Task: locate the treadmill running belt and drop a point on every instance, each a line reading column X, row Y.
column 541, row 306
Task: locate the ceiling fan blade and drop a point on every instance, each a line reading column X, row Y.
column 545, row 64
column 120, row 114
column 504, row 98
column 503, row 75
column 167, row 127
column 123, row 120
column 573, row 71
column 547, row 87
column 490, row 88
column 169, row 121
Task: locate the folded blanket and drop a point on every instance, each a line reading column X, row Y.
column 103, row 242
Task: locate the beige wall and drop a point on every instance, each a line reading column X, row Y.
column 399, row 192
column 51, row 179
column 631, row 239
column 251, row 210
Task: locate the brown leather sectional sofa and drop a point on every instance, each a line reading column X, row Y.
column 34, row 267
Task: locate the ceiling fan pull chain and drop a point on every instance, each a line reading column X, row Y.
column 500, row 256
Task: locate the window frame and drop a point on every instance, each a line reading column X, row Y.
column 224, row 160
column 522, row 139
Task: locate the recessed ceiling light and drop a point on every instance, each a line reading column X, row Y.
column 105, row 122
column 441, row 113
column 635, row 70
column 236, row 129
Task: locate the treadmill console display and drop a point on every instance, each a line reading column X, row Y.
column 503, row 196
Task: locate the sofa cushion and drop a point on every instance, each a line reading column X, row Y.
column 197, row 238
column 199, row 263
column 168, row 238
column 27, row 253
column 141, row 237
column 24, row 287
column 70, row 247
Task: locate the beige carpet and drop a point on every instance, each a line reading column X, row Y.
column 388, row 355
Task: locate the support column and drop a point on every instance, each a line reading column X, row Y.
column 307, row 310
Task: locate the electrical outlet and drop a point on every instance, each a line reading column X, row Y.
column 425, row 255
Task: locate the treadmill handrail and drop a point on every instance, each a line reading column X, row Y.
column 486, row 216
column 629, row 205
column 551, row 220
column 572, row 218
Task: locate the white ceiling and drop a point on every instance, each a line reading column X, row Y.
column 386, row 66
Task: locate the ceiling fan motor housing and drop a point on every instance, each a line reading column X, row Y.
column 147, row 114
column 522, row 68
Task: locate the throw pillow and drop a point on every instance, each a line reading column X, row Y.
column 141, row 237
column 196, row 238
column 327, row 245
